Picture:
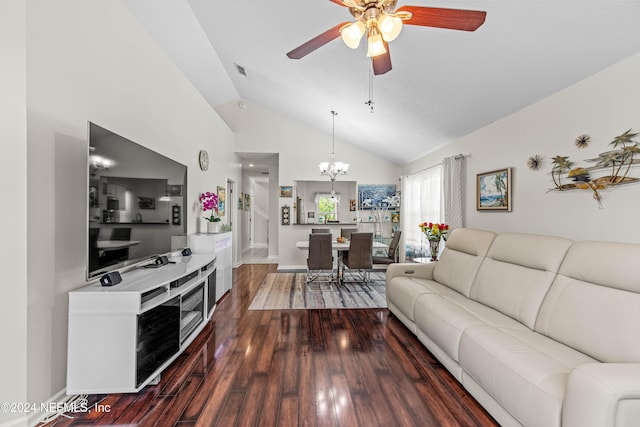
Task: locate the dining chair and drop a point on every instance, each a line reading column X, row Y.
column 392, row 252
column 358, row 258
column 320, row 230
column 320, row 257
column 347, row 232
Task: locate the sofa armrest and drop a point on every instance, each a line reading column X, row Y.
column 603, row 394
column 419, row 271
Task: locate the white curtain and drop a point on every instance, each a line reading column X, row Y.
column 452, row 191
column 421, row 202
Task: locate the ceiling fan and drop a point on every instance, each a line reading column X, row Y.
column 382, row 24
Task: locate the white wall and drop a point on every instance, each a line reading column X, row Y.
column 93, row 61
column 602, row 106
column 300, row 149
column 13, row 214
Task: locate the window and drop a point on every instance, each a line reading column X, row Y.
column 327, row 207
column 421, row 201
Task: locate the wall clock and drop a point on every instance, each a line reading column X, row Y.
column 203, row 158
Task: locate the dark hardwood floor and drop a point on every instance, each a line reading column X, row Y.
column 330, row 367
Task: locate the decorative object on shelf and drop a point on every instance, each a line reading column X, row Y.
column 582, row 141
column 286, row 191
column 209, row 202
column 434, row 232
column 203, row 160
column 175, row 215
column 332, row 168
column 222, row 196
column 286, row 215
column 534, row 162
column 493, row 190
column 617, row 163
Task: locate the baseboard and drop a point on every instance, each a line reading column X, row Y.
column 20, row 421
column 59, row 403
column 291, row 268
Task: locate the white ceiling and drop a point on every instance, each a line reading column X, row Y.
column 444, row 84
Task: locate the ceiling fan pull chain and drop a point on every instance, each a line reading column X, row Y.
column 370, row 101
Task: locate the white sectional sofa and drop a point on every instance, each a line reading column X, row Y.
column 541, row 330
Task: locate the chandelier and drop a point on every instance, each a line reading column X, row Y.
column 332, row 168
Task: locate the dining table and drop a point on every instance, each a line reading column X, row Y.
column 340, row 247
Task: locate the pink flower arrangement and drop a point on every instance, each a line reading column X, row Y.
column 209, row 202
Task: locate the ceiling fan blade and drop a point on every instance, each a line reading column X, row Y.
column 316, row 42
column 338, row 2
column 382, row 63
column 452, row 19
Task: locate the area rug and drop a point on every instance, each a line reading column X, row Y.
column 284, row 291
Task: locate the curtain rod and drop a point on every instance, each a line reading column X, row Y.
column 459, row 156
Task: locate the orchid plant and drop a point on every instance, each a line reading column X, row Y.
column 209, row 202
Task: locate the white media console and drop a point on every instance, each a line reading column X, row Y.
column 122, row 337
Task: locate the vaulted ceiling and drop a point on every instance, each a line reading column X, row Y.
column 444, row 84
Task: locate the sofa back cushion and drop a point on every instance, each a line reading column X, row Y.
column 517, row 273
column 464, row 252
column 594, row 303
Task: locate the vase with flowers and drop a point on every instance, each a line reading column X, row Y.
column 434, row 232
column 209, row 202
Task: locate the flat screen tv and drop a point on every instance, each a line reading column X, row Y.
column 136, row 202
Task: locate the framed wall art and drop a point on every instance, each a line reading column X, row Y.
column 222, row 193
column 247, row 201
column 286, row 191
column 493, row 190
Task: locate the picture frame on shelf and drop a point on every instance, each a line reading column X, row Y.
column 493, row 190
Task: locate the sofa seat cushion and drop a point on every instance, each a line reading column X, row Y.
column 403, row 292
column 522, row 370
column 444, row 318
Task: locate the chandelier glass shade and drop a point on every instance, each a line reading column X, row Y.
column 333, row 169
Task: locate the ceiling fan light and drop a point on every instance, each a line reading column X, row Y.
column 375, row 45
column 390, row 27
column 352, row 33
